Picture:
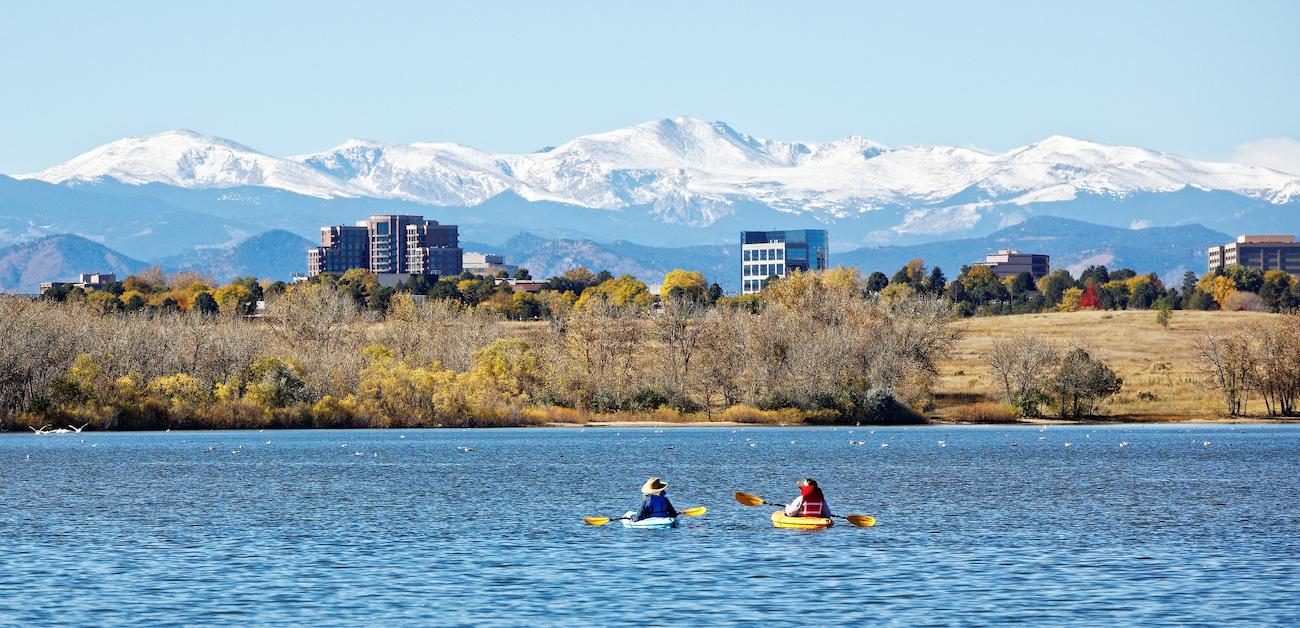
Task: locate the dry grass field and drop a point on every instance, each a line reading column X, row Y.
column 1160, row 368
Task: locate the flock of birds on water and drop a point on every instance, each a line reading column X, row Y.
column 752, row 442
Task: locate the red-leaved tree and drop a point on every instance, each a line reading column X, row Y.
column 1089, row 299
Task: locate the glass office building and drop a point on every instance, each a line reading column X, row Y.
column 768, row 254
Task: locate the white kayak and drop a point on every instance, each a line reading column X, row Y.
column 653, row 523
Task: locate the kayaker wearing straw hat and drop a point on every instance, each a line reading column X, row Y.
column 810, row 502
column 656, row 502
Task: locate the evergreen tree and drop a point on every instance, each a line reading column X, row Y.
column 937, row 281
column 876, row 281
column 715, row 293
column 205, row 304
column 1097, row 273
column 1122, row 274
column 1189, row 283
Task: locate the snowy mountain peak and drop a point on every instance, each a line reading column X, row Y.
column 689, row 171
column 184, row 158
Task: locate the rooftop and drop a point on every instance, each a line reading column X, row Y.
column 1265, row 239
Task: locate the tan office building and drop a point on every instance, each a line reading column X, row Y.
column 1265, row 252
column 1010, row 262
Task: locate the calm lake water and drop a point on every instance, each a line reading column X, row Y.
column 1125, row 525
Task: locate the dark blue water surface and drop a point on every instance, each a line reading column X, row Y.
column 1125, row 525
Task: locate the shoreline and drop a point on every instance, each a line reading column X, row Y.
column 653, row 424
column 943, row 423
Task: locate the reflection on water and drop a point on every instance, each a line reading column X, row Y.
column 1127, row 525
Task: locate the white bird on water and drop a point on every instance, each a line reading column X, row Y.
column 884, row 445
column 78, row 429
column 943, row 443
column 464, row 449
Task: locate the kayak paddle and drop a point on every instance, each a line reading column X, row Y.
column 600, row 521
column 861, row 521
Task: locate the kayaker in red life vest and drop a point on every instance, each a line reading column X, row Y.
column 656, row 502
column 810, row 502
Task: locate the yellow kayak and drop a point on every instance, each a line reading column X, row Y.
column 782, row 520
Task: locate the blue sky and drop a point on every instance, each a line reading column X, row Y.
column 1195, row 78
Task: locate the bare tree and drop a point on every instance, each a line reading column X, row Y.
column 680, row 328
column 1276, row 347
column 1020, row 365
column 1228, row 360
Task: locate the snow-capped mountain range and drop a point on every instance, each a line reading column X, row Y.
column 694, row 173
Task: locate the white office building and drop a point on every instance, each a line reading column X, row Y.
column 767, row 254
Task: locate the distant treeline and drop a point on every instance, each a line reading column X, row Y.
column 975, row 291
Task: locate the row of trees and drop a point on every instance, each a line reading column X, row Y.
column 1261, row 359
column 154, row 290
column 820, row 347
column 976, row 290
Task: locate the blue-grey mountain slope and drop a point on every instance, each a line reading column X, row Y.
column 129, row 220
column 1073, row 245
column 275, row 254
column 23, row 267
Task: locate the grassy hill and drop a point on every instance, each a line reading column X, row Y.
column 1148, row 358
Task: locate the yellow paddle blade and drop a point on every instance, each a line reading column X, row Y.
column 862, row 521
column 694, row 512
column 595, row 521
column 749, row 500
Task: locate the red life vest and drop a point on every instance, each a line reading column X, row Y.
column 814, row 504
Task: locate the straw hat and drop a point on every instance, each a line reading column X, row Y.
column 653, row 486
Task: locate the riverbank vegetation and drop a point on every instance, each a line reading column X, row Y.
column 178, row 351
column 819, row 349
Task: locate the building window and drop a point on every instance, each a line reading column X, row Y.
column 780, row 269
column 780, row 254
column 746, row 255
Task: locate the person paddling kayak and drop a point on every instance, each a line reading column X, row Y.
column 656, row 502
column 810, row 502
